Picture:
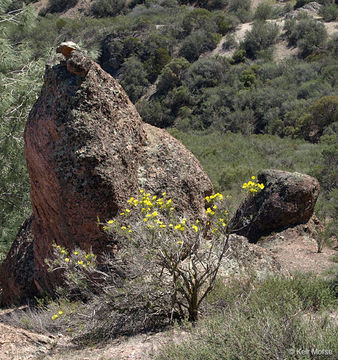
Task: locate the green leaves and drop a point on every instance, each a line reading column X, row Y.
column 20, row 81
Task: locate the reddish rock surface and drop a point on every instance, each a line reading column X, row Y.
column 87, row 152
column 288, row 199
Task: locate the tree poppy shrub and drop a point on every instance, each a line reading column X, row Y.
column 178, row 254
column 165, row 264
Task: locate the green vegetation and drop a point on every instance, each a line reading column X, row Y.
column 308, row 34
column 262, row 36
column 20, row 82
column 165, row 44
column 238, row 115
column 269, row 319
column 244, row 318
column 55, row 6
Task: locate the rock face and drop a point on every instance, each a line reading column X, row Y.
column 245, row 259
column 88, row 152
column 288, row 199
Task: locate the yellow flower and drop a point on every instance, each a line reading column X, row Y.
column 253, row 177
column 122, row 214
column 155, row 213
column 145, row 219
column 214, row 207
column 195, row 228
column 209, row 211
column 179, row 242
column 184, row 220
column 130, row 200
column 75, row 252
column 123, row 228
column 141, row 191
column 164, row 193
column 178, row 226
column 163, row 225
column 60, row 312
column 88, row 263
column 80, row 262
column 130, row 231
column 111, row 221
column 127, row 211
column 54, row 317
column 66, row 259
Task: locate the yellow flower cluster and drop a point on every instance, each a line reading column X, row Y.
column 55, row 316
column 211, row 211
column 155, row 209
column 217, row 196
column 74, row 258
column 150, row 206
column 252, row 187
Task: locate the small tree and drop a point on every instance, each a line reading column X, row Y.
column 161, row 267
column 262, row 36
column 174, row 252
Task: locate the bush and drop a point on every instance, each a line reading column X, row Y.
column 162, row 268
column 230, row 43
column 155, row 113
column 178, row 255
column 242, row 9
column 197, row 43
column 308, row 34
column 172, row 74
column 329, row 12
column 206, row 72
column 56, row 6
column 263, row 12
column 262, row 36
column 199, row 19
column 238, row 56
column 106, row 8
column 156, row 63
column 322, row 114
column 134, row 78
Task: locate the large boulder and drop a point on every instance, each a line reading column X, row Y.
column 287, row 199
column 87, row 153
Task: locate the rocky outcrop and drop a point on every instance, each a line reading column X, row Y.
column 245, row 259
column 87, row 153
column 311, row 9
column 288, row 199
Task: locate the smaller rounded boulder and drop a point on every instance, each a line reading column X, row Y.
column 288, row 199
